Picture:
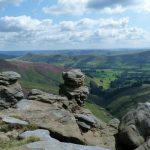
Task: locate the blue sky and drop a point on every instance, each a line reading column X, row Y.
column 74, row 24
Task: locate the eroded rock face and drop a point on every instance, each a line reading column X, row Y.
column 134, row 129
column 145, row 146
column 73, row 86
column 10, row 89
column 41, row 96
column 65, row 120
column 60, row 122
column 95, row 131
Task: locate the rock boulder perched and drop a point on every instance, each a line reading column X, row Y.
column 10, row 89
column 73, row 86
column 134, row 130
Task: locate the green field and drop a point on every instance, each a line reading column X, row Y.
column 99, row 111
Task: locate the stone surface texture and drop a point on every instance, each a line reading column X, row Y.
column 134, row 129
column 73, row 86
column 10, row 89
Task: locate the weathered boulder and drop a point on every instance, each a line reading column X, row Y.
column 49, row 143
column 8, row 77
column 145, row 146
column 73, row 86
column 41, row 134
column 60, row 122
column 10, row 89
column 3, row 137
column 114, row 126
column 73, row 78
column 44, row 97
column 134, row 129
column 12, row 120
column 92, row 131
column 63, row 117
column 80, row 128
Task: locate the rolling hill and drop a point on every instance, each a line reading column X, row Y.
column 138, row 60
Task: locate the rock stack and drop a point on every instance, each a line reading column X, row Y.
column 134, row 130
column 73, row 86
column 10, row 89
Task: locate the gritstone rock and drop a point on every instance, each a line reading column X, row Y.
column 73, row 86
column 10, row 89
column 134, row 129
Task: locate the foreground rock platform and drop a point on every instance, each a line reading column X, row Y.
column 60, row 122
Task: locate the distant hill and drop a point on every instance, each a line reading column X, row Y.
column 140, row 59
column 7, row 56
column 73, row 52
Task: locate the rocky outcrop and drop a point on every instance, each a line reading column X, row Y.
column 47, row 142
column 56, row 145
column 73, row 86
column 10, row 89
column 145, row 146
column 63, row 119
column 134, row 130
column 44, row 97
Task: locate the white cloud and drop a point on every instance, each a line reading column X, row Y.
column 80, row 7
column 28, row 33
column 75, row 7
column 118, row 6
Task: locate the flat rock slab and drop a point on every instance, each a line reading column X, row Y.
column 85, row 118
column 44, row 97
column 51, row 145
column 55, row 145
column 46, row 116
column 42, row 134
column 12, row 120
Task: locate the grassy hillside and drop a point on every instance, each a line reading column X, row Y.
column 40, row 76
column 121, row 103
column 99, row 112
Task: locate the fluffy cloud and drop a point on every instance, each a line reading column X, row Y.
column 119, row 5
column 79, row 7
column 28, row 33
column 75, row 7
column 7, row 2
